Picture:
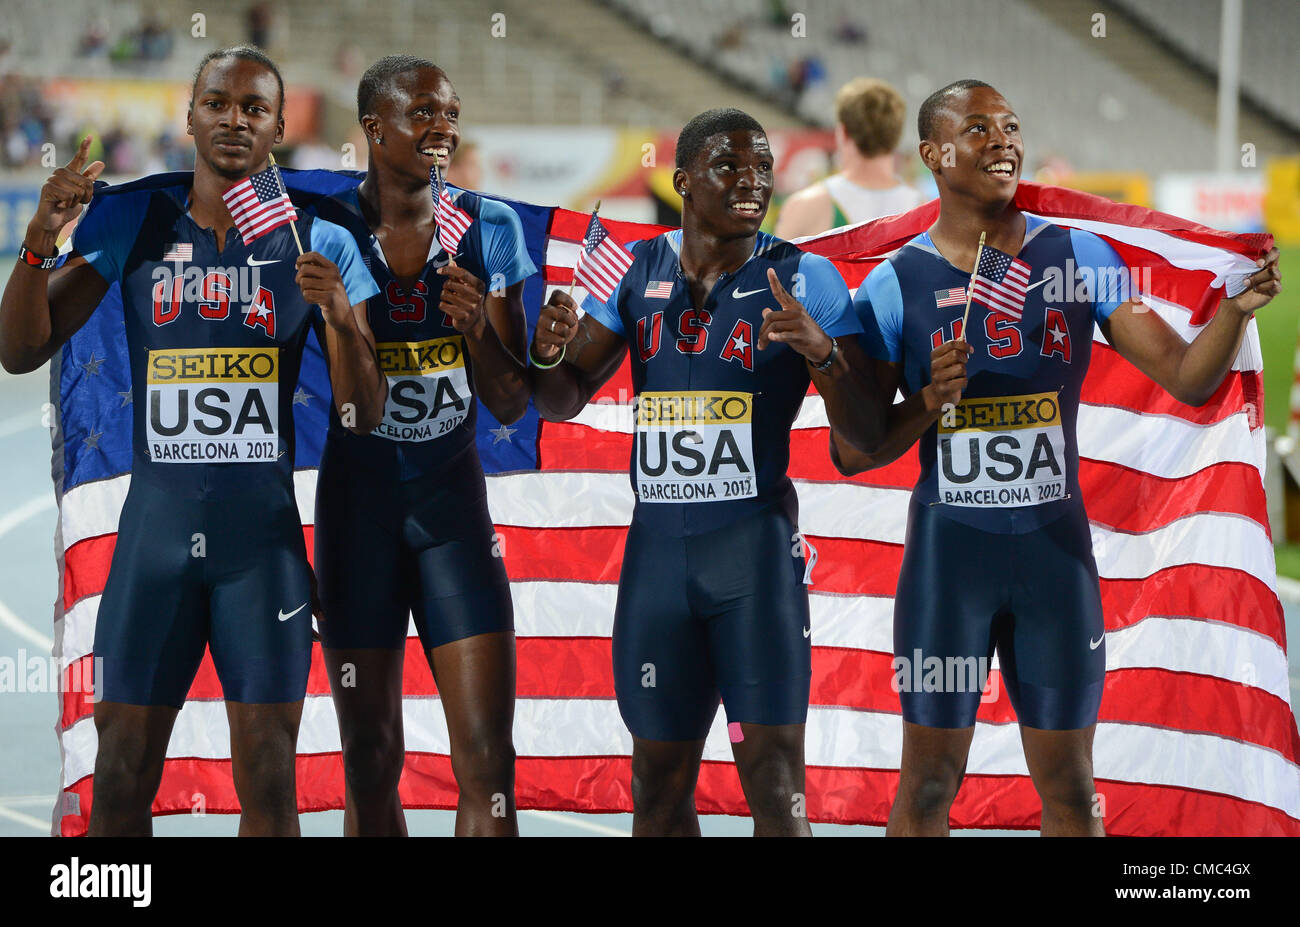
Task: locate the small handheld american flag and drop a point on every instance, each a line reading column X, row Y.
column 259, row 204
column 602, row 262
column 453, row 222
column 1001, row 282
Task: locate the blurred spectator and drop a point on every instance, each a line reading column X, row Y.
column 466, row 170
column 869, row 117
column 94, row 41
column 850, row 32
column 259, row 19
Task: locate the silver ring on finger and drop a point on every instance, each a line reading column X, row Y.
column 552, row 325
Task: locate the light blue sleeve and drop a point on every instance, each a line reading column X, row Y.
column 339, row 246
column 1109, row 275
column 501, row 236
column 107, row 232
column 826, row 297
column 879, row 304
column 607, row 313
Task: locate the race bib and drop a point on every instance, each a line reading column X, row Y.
column 213, row 405
column 428, row 391
column 695, row 446
column 1002, row 452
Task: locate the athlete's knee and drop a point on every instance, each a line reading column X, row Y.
column 372, row 764
column 485, row 765
column 773, row 781
column 266, row 771
column 930, row 792
column 662, row 781
column 1067, row 787
column 127, row 765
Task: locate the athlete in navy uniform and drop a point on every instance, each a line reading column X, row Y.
column 711, row 598
column 210, row 547
column 402, row 525
column 998, row 554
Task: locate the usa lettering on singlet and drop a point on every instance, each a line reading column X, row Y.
column 1005, row 458
column 694, row 446
column 1003, row 451
column 213, row 404
column 428, row 389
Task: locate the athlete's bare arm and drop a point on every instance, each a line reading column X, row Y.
column 856, row 408
column 42, row 309
column 592, row 354
column 805, row 213
column 360, row 389
column 1191, row 372
column 495, row 331
column 909, row 419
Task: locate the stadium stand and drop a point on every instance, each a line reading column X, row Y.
column 1086, row 120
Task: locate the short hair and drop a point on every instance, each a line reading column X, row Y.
column 927, row 117
column 381, row 77
column 871, row 112
column 247, row 53
column 708, row 124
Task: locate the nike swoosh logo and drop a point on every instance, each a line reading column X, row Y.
column 1032, row 285
column 807, row 632
column 741, row 294
column 254, row 262
column 284, row 617
column 1094, row 644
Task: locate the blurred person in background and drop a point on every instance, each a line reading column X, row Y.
column 869, row 117
column 466, row 170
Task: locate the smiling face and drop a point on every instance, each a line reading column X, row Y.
column 235, row 117
column 986, row 151
column 419, row 122
column 728, row 187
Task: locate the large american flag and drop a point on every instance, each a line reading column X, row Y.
column 602, row 262
column 452, row 221
column 1000, row 282
column 1196, row 734
column 259, row 204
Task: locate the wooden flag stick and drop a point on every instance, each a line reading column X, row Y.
column 970, row 289
column 280, row 180
column 573, row 282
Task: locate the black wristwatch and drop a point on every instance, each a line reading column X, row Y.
column 32, row 259
column 830, row 358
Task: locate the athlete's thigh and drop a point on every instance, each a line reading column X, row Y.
column 261, row 587
column 663, row 675
column 951, row 587
column 476, row 683
column 363, row 574
column 748, row 585
column 1054, row 662
column 152, row 624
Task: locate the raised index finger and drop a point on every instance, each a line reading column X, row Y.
column 79, row 159
column 784, row 298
